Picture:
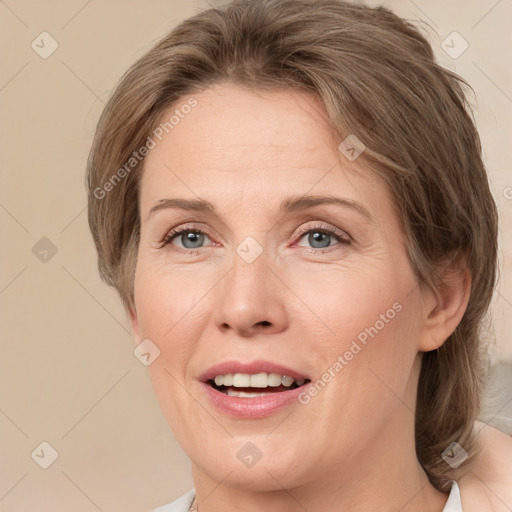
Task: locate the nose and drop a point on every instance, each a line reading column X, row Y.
column 251, row 298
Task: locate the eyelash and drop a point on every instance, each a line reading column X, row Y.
column 343, row 238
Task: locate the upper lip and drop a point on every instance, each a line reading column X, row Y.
column 251, row 368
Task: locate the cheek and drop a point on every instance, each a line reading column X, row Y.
column 346, row 303
column 168, row 300
column 376, row 359
column 168, row 303
column 168, row 307
column 366, row 325
column 367, row 369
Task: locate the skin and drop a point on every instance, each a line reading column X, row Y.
column 352, row 447
column 488, row 484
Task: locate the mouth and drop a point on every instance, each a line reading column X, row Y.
column 245, row 385
column 252, row 390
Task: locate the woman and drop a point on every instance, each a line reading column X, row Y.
column 290, row 198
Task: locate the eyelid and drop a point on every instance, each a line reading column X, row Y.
column 317, row 225
column 175, row 232
column 189, row 226
column 343, row 236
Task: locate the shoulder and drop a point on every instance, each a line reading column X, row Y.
column 181, row 504
column 488, row 484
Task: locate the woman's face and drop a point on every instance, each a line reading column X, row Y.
column 268, row 282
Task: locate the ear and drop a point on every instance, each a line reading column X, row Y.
column 134, row 323
column 445, row 306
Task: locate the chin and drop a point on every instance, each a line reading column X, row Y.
column 268, row 473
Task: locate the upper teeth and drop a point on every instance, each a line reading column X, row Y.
column 257, row 380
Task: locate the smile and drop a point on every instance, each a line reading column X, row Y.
column 251, row 390
column 245, row 385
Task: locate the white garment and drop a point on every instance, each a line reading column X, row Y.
column 182, row 504
column 454, row 504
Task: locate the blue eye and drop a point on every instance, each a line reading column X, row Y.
column 318, row 235
column 192, row 239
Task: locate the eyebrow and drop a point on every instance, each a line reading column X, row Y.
column 289, row 205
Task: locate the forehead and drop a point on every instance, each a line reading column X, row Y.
column 232, row 124
column 242, row 145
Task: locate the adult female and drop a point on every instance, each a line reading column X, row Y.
column 336, row 377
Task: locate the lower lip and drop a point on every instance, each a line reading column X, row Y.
column 256, row 407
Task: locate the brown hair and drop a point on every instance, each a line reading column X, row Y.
column 376, row 75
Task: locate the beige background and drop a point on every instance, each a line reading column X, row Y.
column 69, row 376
